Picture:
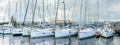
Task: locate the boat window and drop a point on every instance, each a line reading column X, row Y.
column 43, row 33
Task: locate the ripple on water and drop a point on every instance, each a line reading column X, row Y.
column 10, row 40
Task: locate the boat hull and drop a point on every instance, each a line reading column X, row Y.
column 65, row 33
column 41, row 33
column 86, row 33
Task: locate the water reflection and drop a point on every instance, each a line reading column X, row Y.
column 10, row 40
column 42, row 41
column 97, row 41
column 90, row 41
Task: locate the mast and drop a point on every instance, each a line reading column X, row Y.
column 109, row 10
column 34, row 13
column 16, row 10
column 56, row 12
column 20, row 11
column 39, row 14
column 43, row 24
column 85, row 13
column 81, row 10
column 9, row 13
column 64, row 15
column 26, row 12
column 49, row 12
column 97, row 11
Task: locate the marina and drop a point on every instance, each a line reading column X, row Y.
column 59, row 22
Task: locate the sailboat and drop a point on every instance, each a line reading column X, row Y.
column 107, row 31
column 86, row 33
column 6, row 28
column 44, row 32
column 25, row 30
column 16, row 31
column 60, row 33
column 87, row 30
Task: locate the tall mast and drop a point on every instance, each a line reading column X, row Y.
column 34, row 12
column 20, row 11
column 16, row 8
column 109, row 10
column 43, row 15
column 97, row 11
column 85, row 13
column 9, row 13
column 39, row 14
column 56, row 12
column 26, row 12
column 81, row 10
column 64, row 14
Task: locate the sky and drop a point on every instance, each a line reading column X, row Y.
column 73, row 10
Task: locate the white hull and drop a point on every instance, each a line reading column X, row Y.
column 16, row 31
column 41, row 33
column 25, row 33
column 106, row 33
column 65, row 33
column 6, row 32
column 86, row 33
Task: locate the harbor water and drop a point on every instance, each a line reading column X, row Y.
column 19, row 40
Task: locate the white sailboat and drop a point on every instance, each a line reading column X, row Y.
column 16, row 31
column 86, row 33
column 60, row 33
column 41, row 32
column 107, row 32
column 6, row 28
